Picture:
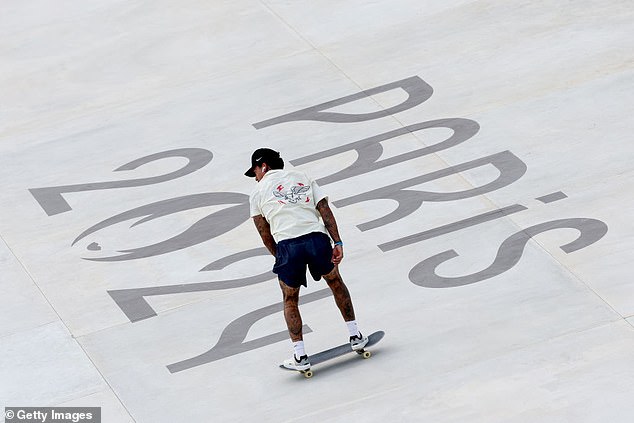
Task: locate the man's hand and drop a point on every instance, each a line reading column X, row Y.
column 337, row 254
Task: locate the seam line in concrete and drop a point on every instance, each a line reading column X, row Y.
column 321, row 53
column 64, row 323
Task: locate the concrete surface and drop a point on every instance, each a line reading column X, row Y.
column 487, row 216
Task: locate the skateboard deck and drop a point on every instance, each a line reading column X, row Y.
column 335, row 352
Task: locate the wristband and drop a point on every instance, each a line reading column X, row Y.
column 339, row 243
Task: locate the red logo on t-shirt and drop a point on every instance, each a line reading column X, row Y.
column 294, row 195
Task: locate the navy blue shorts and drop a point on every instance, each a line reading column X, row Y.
column 293, row 255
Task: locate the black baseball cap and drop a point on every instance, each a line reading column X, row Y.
column 260, row 156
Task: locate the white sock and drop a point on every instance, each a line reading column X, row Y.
column 298, row 348
column 353, row 328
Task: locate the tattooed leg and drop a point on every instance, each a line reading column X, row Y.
column 291, row 311
column 341, row 294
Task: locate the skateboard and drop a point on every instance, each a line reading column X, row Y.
column 334, row 352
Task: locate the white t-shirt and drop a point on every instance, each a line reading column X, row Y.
column 288, row 199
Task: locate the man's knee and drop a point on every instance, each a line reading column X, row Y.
column 291, row 295
column 337, row 286
column 333, row 277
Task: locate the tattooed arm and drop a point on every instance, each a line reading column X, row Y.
column 264, row 229
column 331, row 225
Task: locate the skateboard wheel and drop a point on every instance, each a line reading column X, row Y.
column 308, row 374
column 367, row 354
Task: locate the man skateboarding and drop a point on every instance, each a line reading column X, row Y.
column 286, row 207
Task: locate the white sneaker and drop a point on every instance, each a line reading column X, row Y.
column 357, row 342
column 294, row 363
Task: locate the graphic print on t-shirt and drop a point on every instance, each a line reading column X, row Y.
column 296, row 194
